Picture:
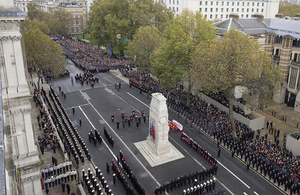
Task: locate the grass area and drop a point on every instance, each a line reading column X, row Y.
column 94, row 42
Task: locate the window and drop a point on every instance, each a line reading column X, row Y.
column 210, row 16
column 227, row 9
column 205, row 15
column 74, row 29
column 238, row 3
column 262, row 4
column 221, row 16
column 217, row 2
column 205, row 9
column 211, row 3
column 226, row 15
column 246, row 15
column 243, row 3
column 252, row 9
column 70, row 29
column 200, row 9
column 173, row 2
column 177, row 9
column 221, row 9
column 293, row 77
column 173, row 8
column 257, row 4
column 242, row 15
column 242, row 9
column 257, row 10
column 200, row 2
column 177, row 2
column 216, row 9
column 79, row 30
column 237, row 9
column 262, row 10
column 169, row 1
column 232, row 9
column 252, row 4
column 78, row 21
column 222, row 3
column 247, row 9
column 74, row 22
column 205, row 2
column 74, row 15
column 232, row 3
column 211, row 9
column 216, row 16
column 78, row 15
column 248, row 4
column 73, row 10
column 227, row 3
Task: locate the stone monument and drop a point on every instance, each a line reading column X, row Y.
column 22, row 156
column 157, row 149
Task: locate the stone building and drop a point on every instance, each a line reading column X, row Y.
column 280, row 37
column 22, row 173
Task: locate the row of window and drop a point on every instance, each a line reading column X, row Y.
column 221, row 16
column 293, row 78
column 78, row 10
column 232, row 10
column 173, row 2
column 232, row 3
column 74, row 15
column 74, row 22
column 74, row 30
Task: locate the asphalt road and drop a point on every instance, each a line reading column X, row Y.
column 95, row 107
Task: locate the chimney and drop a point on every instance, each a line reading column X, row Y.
column 235, row 16
column 259, row 16
column 297, row 15
column 279, row 15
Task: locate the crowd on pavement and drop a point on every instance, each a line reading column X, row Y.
column 277, row 162
column 87, row 56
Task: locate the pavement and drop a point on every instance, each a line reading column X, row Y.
column 95, row 106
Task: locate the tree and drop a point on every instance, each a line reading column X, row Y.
column 124, row 17
column 59, row 20
column 288, row 8
column 43, row 55
column 236, row 60
column 34, row 12
column 145, row 40
column 172, row 61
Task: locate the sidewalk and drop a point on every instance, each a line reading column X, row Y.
column 289, row 125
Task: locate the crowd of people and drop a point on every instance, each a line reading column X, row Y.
column 88, row 56
column 268, row 157
column 92, row 184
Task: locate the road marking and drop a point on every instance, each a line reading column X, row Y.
column 233, row 174
column 85, row 95
column 121, row 141
column 137, row 99
column 245, row 193
column 256, row 193
column 95, row 128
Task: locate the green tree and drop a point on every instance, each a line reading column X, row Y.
column 43, row 55
column 34, row 12
column 124, row 17
column 145, row 40
column 288, row 8
column 236, row 60
column 59, row 20
column 172, row 61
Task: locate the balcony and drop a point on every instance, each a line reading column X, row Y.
column 293, row 62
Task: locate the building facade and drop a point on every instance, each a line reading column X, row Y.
column 280, row 37
column 78, row 14
column 221, row 9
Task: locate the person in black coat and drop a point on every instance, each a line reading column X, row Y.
column 68, row 188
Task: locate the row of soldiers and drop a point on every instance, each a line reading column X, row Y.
column 132, row 177
column 66, row 129
column 125, row 121
column 109, row 137
column 56, row 169
column 121, row 177
column 95, row 137
column 93, row 185
column 197, row 189
column 61, row 178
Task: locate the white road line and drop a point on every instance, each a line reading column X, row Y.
column 233, row 174
column 124, row 144
column 244, row 193
column 137, row 99
column 256, row 193
column 225, row 187
column 76, row 106
column 95, row 128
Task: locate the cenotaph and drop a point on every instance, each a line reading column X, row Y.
column 157, row 149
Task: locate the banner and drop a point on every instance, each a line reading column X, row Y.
column 152, row 130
